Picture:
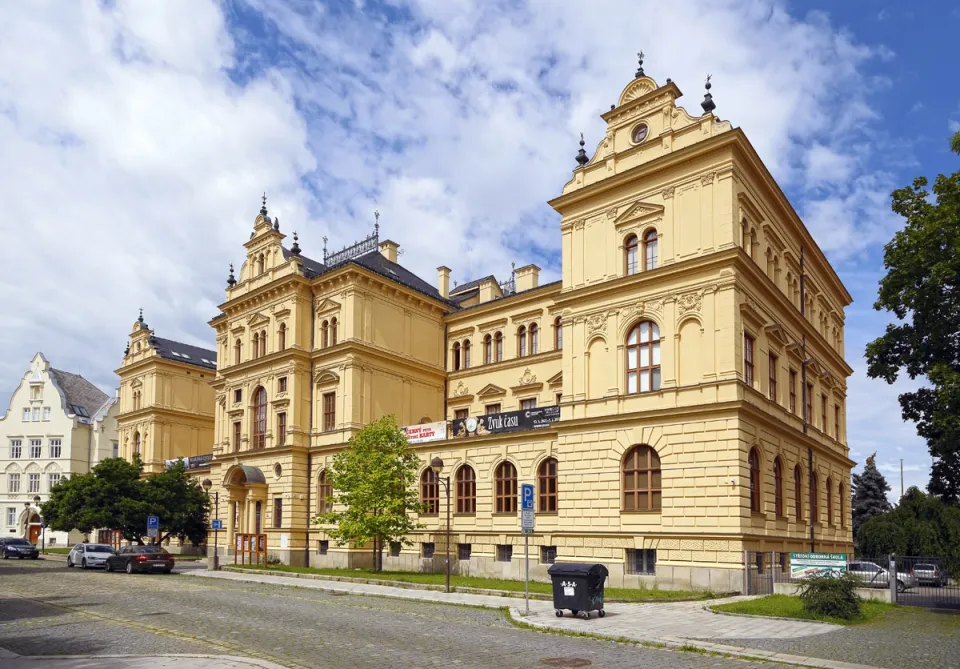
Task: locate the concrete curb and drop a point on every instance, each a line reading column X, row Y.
column 756, row 617
column 677, row 643
column 45, row 659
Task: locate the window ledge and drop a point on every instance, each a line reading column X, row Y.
column 505, row 514
column 547, row 513
column 641, row 511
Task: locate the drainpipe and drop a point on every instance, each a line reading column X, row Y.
column 306, row 541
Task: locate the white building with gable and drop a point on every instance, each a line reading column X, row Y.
column 58, row 424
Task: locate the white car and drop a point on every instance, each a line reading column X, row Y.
column 89, row 555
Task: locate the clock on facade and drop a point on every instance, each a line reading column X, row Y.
column 639, row 133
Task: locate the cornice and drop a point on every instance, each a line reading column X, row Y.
column 356, row 347
column 525, row 361
column 504, row 303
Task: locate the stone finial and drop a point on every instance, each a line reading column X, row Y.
column 263, row 209
column 708, row 104
column 231, row 281
column 295, row 249
column 276, row 224
column 126, row 351
column 140, row 318
column 581, row 154
column 639, row 66
column 376, row 224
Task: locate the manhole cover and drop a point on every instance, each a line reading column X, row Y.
column 565, row 662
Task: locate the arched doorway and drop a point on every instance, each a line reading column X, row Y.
column 32, row 526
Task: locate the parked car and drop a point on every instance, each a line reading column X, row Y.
column 875, row 576
column 928, row 573
column 18, row 547
column 89, row 555
column 132, row 559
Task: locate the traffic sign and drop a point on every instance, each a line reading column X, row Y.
column 153, row 522
column 526, row 496
column 526, row 521
column 216, row 524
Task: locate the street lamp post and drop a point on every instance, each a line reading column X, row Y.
column 437, row 466
column 206, row 485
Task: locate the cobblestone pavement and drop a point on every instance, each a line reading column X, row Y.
column 73, row 612
column 905, row 638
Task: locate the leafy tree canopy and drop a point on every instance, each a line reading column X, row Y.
column 374, row 481
column 869, row 494
column 922, row 288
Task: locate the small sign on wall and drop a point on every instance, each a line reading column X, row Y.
column 284, row 540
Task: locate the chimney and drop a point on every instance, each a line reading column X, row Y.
column 489, row 290
column 389, row 250
column 527, row 277
column 443, row 281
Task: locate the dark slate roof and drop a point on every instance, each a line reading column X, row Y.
column 471, row 284
column 191, row 355
column 82, row 397
column 311, row 268
column 377, row 263
column 513, row 295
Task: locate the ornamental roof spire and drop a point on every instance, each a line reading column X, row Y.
column 263, row 209
column 708, row 104
column 295, row 249
column 231, row 281
column 639, row 66
column 582, row 154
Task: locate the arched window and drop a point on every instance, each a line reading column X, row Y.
column 256, row 345
column 798, row 492
column 466, row 353
column 630, row 245
column 429, row 492
column 521, row 341
column 650, row 256
column 814, row 499
column 136, row 442
column 778, row 486
column 260, row 264
column 498, row 347
column 324, row 334
column 829, row 491
column 324, row 493
column 641, row 480
column 487, row 350
column 505, row 488
column 333, row 331
column 843, row 506
column 259, row 417
column 547, row 485
column 456, row 356
column 282, row 337
column 263, row 343
column 754, row 480
column 753, row 245
column 557, row 333
column 466, row 490
column 534, row 339
column 236, row 351
column 643, row 358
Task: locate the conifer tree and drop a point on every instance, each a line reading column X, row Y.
column 869, row 494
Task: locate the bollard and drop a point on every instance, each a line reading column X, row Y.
column 892, row 573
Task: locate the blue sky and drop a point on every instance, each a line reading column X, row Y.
column 139, row 136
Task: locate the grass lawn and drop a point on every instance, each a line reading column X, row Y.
column 57, row 551
column 622, row 594
column 784, row 606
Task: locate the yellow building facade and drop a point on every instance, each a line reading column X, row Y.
column 654, row 395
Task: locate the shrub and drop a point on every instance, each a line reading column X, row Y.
column 832, row 596
column 273, row 559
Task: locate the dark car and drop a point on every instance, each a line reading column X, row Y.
column 132, row 559
column 17, row 547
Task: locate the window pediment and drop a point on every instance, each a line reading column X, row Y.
column 491, row 390
column 639, row 212
column 257, row 319
column 326, row 306
column 555, row 380
column 777, row 334
column 326, row 377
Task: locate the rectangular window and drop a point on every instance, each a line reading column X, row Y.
column 461, row 414
column 559, row 397
column 808, row 402
column 282, row 384
column 13, row 482
column 793, row 391
column 823, row 413
column 504, row 552
column 16, row 450
column 33, row 482
column 772, row 390
column 236, row 436
column 46, row 413
column 836, row 422
column 116, row 449
column 237, row 396
column 11, row 516
column 52, row 480
column 641, row 561
column 428, row 548
column 35, row 449
column 323, row 546
column 395, row 549
column 463, row 551
column 748, row 359
column 281, row 428
column 548, row 554
column 26, row 415
column 36, row 414
column 528, row 404
column 329, row 411
column 277, row 512
column 55, row 448
column 492, row 408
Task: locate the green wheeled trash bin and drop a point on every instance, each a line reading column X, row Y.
column 578, row 587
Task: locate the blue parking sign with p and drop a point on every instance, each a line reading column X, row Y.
column 526, row 496
column 153, row 522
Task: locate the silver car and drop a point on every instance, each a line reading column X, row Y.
column 89, row 555
column 875, row 576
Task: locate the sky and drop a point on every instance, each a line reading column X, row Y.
column 138, row 136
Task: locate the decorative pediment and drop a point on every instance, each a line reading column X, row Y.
column 136, row 383
column 690, row 303
column 461, row 390
column 777, row 334
column 751, row 312
column 637, row 89
column 257, row 319
column 326, row 305
column 491, row 390
column 639, row 212
column 527, row 378
column 326, row 377
column 828, row 379
column 555, row 380
column 814, row 368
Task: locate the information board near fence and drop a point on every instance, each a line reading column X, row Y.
column 808, row 565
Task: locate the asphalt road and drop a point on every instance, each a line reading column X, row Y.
column 47, row 609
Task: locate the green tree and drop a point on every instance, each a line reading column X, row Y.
column 869, row 494
column 922, row 288
column 921, row 525
column 374, row 481
column 179, row 502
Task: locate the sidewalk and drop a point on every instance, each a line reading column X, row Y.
column 672, row 624
column 10, row 660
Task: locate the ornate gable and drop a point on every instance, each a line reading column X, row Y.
column 491, row 390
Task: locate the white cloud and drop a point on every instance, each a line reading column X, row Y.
column 953, row 125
